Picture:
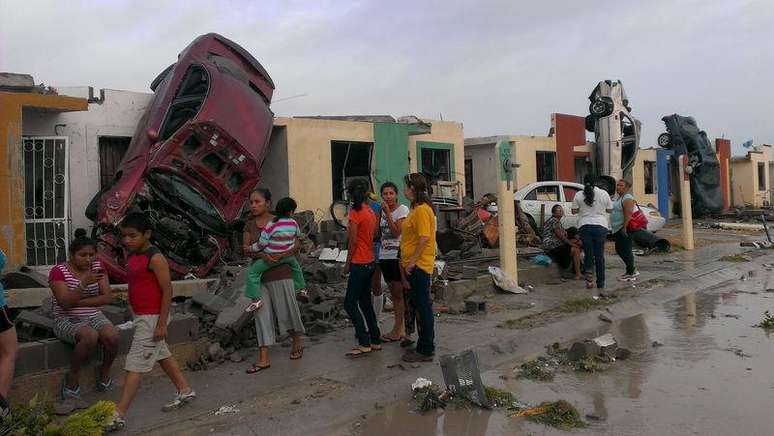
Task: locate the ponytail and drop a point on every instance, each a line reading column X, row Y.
column 358, row 193
column 588, row 189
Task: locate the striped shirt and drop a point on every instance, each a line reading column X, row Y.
column 61, row 273
column 278, row 236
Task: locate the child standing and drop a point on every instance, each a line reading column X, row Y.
column 277, row 238
column 150, row 296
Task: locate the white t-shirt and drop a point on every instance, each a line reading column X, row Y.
column 595, row 214
column 390, row 243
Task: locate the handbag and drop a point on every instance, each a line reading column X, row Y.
column 637, row 221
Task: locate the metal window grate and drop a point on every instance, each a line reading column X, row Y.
column 46, row 199
column 463, row 377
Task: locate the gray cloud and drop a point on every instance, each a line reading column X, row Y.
column 498, row 66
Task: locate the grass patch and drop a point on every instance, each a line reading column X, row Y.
column 735, row 258
column 559, row 414
column 588, row 365
column 576, row 305
column 539, row 369
column 767, row 322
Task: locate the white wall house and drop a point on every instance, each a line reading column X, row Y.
column 96, row 140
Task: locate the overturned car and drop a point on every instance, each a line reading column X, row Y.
column 684, row 138
column 616, row 131
column 193, row 160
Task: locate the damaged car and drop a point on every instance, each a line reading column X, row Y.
column 616, row 131
column 684, row 137
column 194, row 158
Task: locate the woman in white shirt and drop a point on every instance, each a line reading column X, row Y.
column 391, row 219
column 593, row 205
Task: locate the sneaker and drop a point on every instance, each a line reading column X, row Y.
column 117, row 423
column 629, row 277
column 413, row 356
column 70, row 393
column 103, row 386
column 179, row 401
column 5, row 408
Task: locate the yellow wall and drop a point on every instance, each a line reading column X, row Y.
column 638, row 178
column 11, row 165
column 442, row 131
column 744, row 178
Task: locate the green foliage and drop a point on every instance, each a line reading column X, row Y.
column 768, row 321
column 499, row 398
column 539, row 369
column 559, row 414
column 90, row 422
column 29, row 419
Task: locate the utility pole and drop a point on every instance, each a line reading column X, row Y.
column 685, row 202
column 506, row 210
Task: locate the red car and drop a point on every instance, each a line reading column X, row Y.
column 193, row 160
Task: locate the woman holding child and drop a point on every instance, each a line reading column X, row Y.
column 272, row 242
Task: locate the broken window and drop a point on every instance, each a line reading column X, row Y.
column 469, row 178
column 111, row 150
column 349, row 160
column 545, row 163
column 436, row 164
column 544, row 193
column 649, row 172
column 761, row 176
column 189, row 98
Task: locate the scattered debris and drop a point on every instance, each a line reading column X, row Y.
column 559, row 414
column 463, row 377
column 540, row 369
column 736, row 258
column 656, row 344
column 227, row 409
column 503, row 282
column 738, row 352
column 604, row 317
column 767, row 322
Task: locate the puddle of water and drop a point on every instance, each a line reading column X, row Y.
column 698, row 382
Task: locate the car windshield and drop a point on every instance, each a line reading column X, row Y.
column 177, row 190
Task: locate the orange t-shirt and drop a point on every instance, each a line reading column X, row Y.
column 366, row 227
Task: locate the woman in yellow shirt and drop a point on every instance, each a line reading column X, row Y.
column 417, row 259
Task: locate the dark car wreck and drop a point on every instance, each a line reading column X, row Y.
column 684, row 138
column 193, row 160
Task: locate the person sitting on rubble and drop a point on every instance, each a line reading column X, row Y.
column 563, row 246
column 279, row 302
column 391, row 219
column 361, row 265
column 79, row 288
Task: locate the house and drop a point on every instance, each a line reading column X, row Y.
column 313, row 158
column 750, row 178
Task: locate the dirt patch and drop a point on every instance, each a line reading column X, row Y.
column 573, row 305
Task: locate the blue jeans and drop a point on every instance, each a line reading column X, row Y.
column 420, row 297
column 593, row 237
column 359, row 295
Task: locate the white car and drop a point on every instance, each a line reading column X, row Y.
column 545, row 195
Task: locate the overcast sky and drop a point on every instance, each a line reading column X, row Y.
column 500, row 67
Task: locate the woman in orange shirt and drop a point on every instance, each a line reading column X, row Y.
column 417, row 259
column 361, row 265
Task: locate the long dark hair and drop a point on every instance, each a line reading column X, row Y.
column 418, row 183
column 284, row 208
column 386, row 185
column 588, row 189
column 81, row 241
column 263, row 192
column 358, row 193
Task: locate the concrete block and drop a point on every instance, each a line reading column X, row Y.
column 183, row 328
column 31, row 357
column 582, row 350
column 323, row 311
column 58, row 354
column 234, row 318
column 210, row 303
column 485, row 284
column 475, row 305
column 116, row 315
column 470, row 272
column 32, row 326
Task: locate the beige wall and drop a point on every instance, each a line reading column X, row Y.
column 638, row 178
column 484, row 167
column 442, row 131
column 744, row 178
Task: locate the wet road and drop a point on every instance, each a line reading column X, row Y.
column 713, row 375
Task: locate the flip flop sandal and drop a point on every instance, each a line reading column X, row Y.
column 295, row 355
column 256, row 368
column 389, row 339
column 357, row 352
column 376, row 347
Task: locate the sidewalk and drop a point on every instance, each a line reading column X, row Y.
column 324, row 390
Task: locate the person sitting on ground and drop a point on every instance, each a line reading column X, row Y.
column 79, row 287
column 563, row 246
column 277, row 238
column 150, row 296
